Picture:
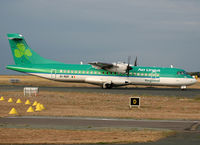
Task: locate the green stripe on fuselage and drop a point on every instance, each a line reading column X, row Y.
column 77, row 69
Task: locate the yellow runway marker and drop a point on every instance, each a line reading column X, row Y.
column 13, row 111
column 10, row 100
column 27, row 102
column 30, row 109
column 2, row 98
column 35, row 103
column 18, row 101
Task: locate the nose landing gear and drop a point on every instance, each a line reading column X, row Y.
column 183, row 87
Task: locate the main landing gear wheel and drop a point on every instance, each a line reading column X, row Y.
column 107, row 86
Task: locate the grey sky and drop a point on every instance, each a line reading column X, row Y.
column 159, row 32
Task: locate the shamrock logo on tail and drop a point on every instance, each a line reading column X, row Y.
column 22, row 51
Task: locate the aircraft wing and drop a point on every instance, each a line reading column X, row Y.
column 112, row 67
column 102, row 65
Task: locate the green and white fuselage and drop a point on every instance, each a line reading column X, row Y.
column 27, row 61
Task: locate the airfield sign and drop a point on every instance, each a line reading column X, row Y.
column 134, row 102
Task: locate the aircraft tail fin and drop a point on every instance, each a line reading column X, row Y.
column 23, row 54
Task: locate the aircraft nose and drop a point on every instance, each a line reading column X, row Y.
column 194, row 80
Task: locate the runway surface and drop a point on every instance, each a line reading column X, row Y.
column 188, row 131
column 91, row 123
column 130, row 91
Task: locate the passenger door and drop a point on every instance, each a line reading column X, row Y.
column 53, row 74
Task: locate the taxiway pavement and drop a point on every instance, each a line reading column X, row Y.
column 130, row 91
column 94, row 123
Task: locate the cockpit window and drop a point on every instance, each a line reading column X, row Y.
column 181, row 73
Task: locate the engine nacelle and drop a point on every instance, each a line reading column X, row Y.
column 119, row 67
column 112, row 67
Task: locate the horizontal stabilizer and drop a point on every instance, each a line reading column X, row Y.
column 15, row 36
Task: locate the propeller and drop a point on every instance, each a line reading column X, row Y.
column 128, row 66
column 135, row 63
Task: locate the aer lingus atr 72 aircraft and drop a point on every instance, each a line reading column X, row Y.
column 107, row 75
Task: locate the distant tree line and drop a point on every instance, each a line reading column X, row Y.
column 194, row 73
